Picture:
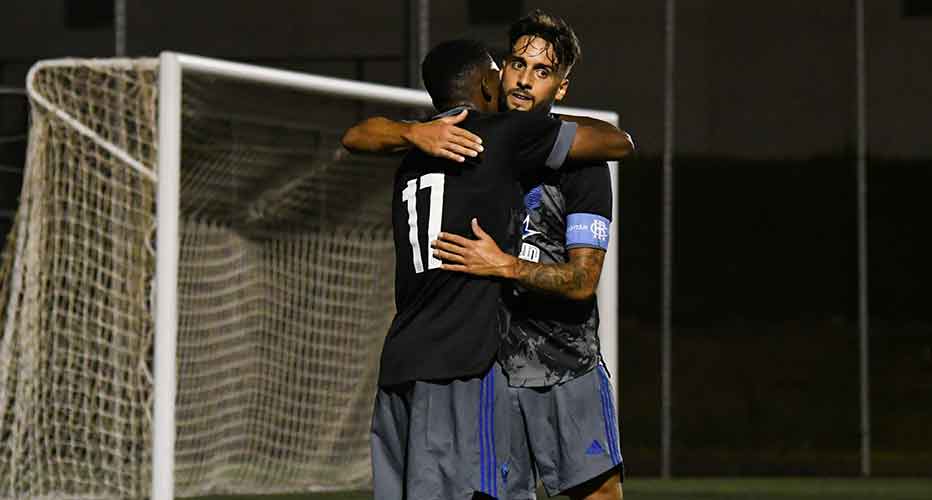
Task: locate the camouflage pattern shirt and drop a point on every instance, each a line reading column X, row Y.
column 549, row 339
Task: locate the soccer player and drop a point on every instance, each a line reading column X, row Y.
column 550, row 352
column 437, row 431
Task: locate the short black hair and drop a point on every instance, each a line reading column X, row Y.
column 448, row 68
column 538, row 24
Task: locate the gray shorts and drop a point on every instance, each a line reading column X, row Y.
column 441, row 440
column 566, row 433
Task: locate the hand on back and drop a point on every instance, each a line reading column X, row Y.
column 443, row 139
column 479, row 257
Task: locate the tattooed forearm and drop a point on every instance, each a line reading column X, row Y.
column 576, row 279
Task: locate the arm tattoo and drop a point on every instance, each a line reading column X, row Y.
column 575, row 280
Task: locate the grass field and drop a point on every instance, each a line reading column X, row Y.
column 728, row 489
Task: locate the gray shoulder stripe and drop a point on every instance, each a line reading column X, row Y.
column 561, row 147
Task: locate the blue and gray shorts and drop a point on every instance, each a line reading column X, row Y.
column 442, row 440
column 565, row 434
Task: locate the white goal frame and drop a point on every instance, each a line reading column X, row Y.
column 172, row 67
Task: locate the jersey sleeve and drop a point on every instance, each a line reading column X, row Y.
column 540, row 140
column 587, row 191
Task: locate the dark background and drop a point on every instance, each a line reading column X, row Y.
column 765, row 372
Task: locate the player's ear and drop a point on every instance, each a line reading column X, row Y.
column 561, row 91
column 485, row 86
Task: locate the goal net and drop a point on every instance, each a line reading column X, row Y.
column 284, row 283
column 284, row 288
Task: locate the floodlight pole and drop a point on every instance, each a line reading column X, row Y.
column 119, row 27
column 166, row 278
column 863, row 310
column 666, row 340
column 418, row 30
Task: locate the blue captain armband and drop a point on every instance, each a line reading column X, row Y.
column 587, row 230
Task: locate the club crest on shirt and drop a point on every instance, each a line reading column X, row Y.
column 532, row 198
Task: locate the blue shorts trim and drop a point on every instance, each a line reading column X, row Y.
column 488, row 460
column 608, row 416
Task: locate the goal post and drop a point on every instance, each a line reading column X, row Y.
column 199, row 279
column 166, row 278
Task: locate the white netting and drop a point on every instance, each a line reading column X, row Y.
column 285, row 289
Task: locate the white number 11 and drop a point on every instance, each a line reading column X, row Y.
column 435, row 215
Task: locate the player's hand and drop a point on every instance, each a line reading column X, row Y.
column 479, row 257
column 443, row 139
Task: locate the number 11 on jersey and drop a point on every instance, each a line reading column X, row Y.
column 435, row 215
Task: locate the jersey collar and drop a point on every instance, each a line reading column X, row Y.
column 453, row 111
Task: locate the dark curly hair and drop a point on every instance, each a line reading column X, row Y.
column 448, row 68
column 539, row 24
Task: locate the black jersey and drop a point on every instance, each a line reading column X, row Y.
column 448, row 325
column 551, row 340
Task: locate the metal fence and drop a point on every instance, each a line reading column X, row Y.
column 12, row 151
column 761, row 354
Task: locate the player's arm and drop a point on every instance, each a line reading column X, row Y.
column 598, row 140
column 541, row 140
column 440, row 137
column 576, row 279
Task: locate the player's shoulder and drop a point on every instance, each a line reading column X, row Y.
column 586, row 166
column 414, row 162
column 578, row 171
column 476, row 121
column 587, row 181
column 518, row 119
column 473, row 118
